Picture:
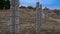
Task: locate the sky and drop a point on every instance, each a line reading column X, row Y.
column 51, row 4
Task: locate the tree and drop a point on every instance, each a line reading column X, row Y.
column 30, row 7
column 2, row 4
column 7, row 4
column 22, row 7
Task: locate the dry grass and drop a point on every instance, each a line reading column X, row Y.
column 27, row 23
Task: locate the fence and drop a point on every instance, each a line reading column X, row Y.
column 15, row 21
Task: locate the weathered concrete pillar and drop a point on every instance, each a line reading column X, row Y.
column 41, row 13
column 38, row 17
column 46, row 15
column 14, row 13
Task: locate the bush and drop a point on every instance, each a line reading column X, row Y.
column 30, row 7
column 22, row 7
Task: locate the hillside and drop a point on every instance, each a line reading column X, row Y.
column 27, row 22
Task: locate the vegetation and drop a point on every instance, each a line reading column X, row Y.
column 27, row 25
column 56, row 11
column 22, row 7
column 7, row 4
column 4, row 3
column 1, row 4
column 30, row 7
